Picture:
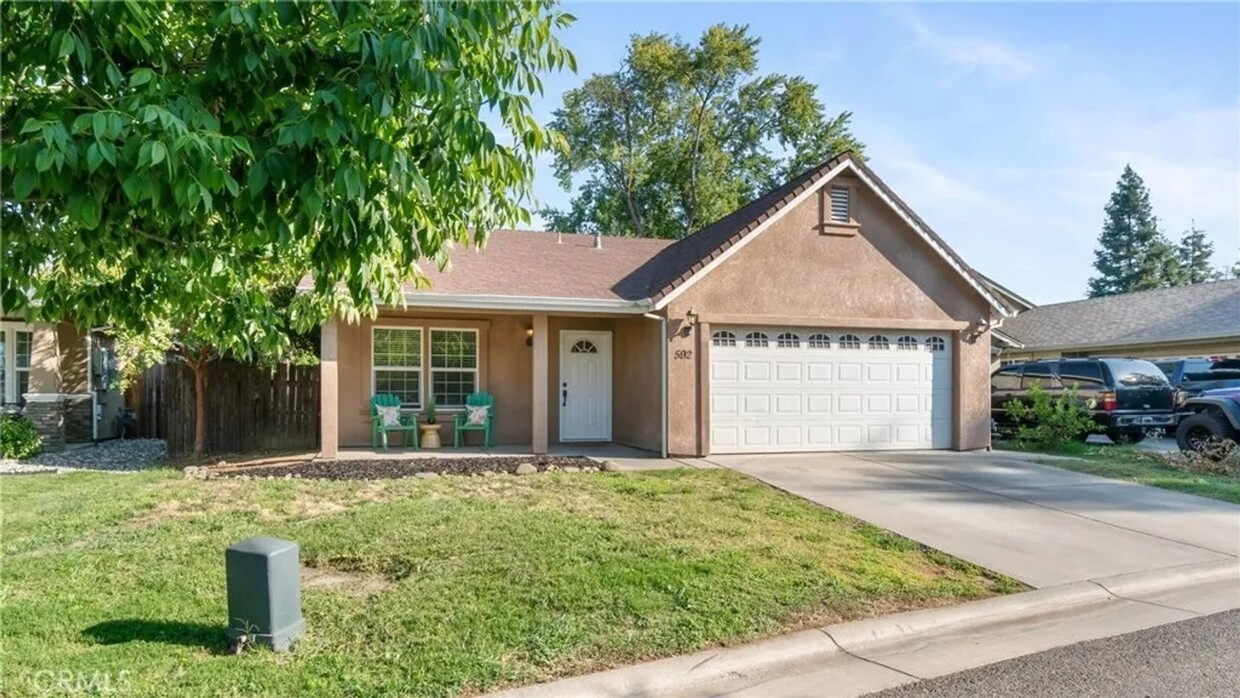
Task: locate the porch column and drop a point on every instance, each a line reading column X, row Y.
column 538, row 403
column 329, row 391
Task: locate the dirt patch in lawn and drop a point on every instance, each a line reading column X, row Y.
column 385, row 468
column 354, row 583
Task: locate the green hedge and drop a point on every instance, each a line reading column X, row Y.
column 18, row 438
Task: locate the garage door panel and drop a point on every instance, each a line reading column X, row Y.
column 793, row 394
column 817, row 372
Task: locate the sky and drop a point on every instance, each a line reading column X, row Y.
column 1005, row 126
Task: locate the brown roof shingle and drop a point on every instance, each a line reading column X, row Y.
column 522, row 263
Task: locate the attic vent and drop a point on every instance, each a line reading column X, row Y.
column 839, row 205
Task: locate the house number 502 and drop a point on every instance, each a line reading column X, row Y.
column 683, row 354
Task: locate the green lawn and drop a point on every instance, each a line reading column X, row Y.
column 1128, row 463
column 461, row 585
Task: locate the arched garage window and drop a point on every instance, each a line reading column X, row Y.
column 906, row 343
column 757, row 339
column 850, row 341
column 878, row 341
column 936, row 344
column 788, row 340
column 819, row 341
column 723, row 338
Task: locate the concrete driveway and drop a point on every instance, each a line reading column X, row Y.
column 1039, row 524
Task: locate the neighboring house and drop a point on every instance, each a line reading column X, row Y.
column 824, row 315
column 1202, row 320
column 59, row 378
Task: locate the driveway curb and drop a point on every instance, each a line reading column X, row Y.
column 720, row 670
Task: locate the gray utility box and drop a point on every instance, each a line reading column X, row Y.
column 264, row 592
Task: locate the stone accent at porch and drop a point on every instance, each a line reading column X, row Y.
column 60, row 419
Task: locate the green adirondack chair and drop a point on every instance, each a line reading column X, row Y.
column 462, row 419
column 379, row 431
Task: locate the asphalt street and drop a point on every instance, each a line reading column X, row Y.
column 1198, row 657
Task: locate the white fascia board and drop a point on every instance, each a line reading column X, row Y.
column 423, row 299
column 710, row 266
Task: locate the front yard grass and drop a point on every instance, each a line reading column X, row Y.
column 451, row 586
column 1134, row 465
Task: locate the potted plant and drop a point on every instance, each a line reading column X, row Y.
column 430, row 429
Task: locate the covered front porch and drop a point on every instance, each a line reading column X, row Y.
column 564, row 382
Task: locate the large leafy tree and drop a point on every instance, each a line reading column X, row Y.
column 1193, row 253
column 167, row 165
column 1132, row 254
column 680, row 135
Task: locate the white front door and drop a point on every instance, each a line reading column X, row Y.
column 585, row 386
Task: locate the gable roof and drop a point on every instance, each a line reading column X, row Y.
column 681, row 264
column 529, row 269
column 1185, row 313
column 1009, row 297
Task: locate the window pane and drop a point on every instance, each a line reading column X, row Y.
column 23, row 386
column 454, row 349
column 1037, row 374
column 450, row 388
column 1006, row 379
column 398, row 347
column 1082, row 374
column 405, row 384
column 23, row 349
column 1136, row 373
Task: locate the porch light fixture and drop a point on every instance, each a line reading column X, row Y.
column 529, row 336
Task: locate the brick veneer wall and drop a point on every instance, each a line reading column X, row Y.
column 78, row 421
column 48, row 420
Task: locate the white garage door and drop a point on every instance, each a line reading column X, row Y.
column 828, row 390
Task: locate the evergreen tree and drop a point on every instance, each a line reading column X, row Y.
column 1132, row 255
column 1194, row 253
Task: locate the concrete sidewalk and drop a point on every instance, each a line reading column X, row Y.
column 1042, row 525
column 852, row 659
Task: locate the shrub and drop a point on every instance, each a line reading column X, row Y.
column 1049, row 422
column 18, row 439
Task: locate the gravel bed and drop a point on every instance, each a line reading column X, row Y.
column 112, row 456
column 386, row 469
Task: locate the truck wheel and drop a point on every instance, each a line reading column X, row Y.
column 1199, row 432
column 1125, row 437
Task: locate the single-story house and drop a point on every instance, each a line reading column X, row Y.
column 823, row 315
column 61, row 379
column 1201, row 320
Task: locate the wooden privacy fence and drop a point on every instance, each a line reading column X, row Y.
column 249, row 407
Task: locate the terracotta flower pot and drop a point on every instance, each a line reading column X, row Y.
column 430, row 435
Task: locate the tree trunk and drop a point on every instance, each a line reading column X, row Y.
column 200, row 406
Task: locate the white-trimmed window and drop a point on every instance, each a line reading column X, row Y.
column 16, row 343
column 840, row 208
column 936, row 344
column 396, row 363
column 723, row 338
column 819, row 341
column 906, row 343
column 850, row 341
column 757, row 339
column 788, row 340
column 878, row 341
column 454, row 366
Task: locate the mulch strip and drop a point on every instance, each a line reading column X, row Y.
column 386, row 469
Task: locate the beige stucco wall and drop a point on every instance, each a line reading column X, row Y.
column 637, row 390
column 882, row 276
column 506, row 371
